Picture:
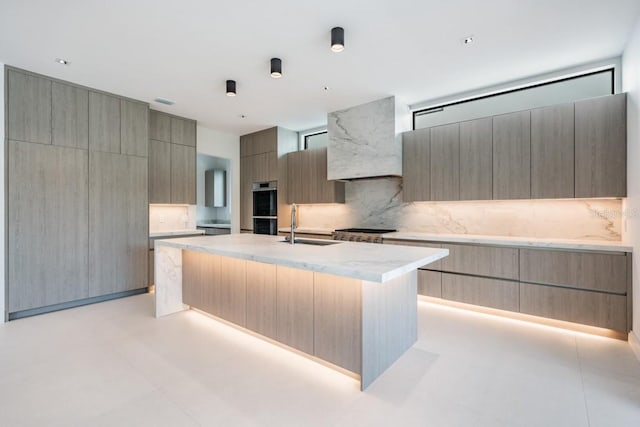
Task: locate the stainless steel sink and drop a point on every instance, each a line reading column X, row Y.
column 312, row 242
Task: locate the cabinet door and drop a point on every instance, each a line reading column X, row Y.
column 324, row 190
column 118, row 223
column 294, row 178
column 159, row 172
column 246, row 145
column 265, row 167
column 183, row 132
column 159, row 126
column 512, row 156
column 445, row 162
column 430, row 283
column 481, row 260
column 246, row 193
column 265, row 141
column 294, row 305
column 500, row 294
column 104, row 122
column 135, row 128
column 70, row 116
column 47, row 233
column 201, row 281
column 552, row 152
column 415, row 165
column 28, row 108
column 476, row 159
column 261, row 298
column 601, row 147
column 183, row 174
column 233, row 291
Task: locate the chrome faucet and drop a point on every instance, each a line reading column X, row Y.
column 294, row 211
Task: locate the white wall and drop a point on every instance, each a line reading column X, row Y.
column 631, row 85
column 2, row 210
column 219, row 144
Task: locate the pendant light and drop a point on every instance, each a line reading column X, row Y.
column 231, row 88
column 276, row 68
column 337, row 39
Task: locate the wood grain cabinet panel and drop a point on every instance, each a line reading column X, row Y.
column 233, row 291
column 183, row 174
column 307, row 178
column 416, row 162
column 28, row 108
column 294, row 178
column 482, row 261
column 601, row 147
column 596, row 271
column 265, row 167
column 159, row 172
column 294, row 303
column 512, row 156
column 70, row 116
column 589, row 308
column 118, row 223
column 476, row 159
column 246, row 195
column 445, row 162
column 47, row 233
column 183, row 131
column 494, row 293
column 430, row 283
column 134, row 128
column 201, row 286
column 104, row 123
column 159, row 126
column 261, row 298
column 337, row 320
column 552, row 152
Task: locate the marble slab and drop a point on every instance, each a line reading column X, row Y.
column 366, row 261
column 570, row 244
column 168, row 280
column 364, row 141
column 163, row 233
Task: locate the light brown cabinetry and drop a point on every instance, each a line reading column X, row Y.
column 246, row 194
column 445, row 162
column 416, row 161
column 183, row 177
column 28, row 107
column 430, row 283
column 601, row 147
column 294, row 304
column 70, row 116
column 104, row 122
column 183, row 131
column 307, row 178
column 494, row 293
column 261, row 298
column 201, row 281
column 488, row 261
column 512, row 156
column 476, row 159
column 134, row 128
column 159, row 126
column 233, row 291
column 159, row 171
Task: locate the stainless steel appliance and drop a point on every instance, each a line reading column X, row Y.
column 265, row 208
column 369, row 235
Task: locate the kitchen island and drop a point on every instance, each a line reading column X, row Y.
column 349, row 305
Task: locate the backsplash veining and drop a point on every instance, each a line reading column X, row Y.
column 378, row 203
column 171, row 218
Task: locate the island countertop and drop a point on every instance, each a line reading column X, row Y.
column 365, row 261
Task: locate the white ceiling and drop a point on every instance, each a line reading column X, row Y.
column 184, row 50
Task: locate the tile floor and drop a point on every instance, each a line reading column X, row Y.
column 114, row 364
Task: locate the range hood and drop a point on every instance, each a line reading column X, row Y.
column 365, row 141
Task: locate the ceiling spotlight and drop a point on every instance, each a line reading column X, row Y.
column 231, row 88
column 337, row 39
column 62, row 61
column 467, row 40
column 276, row 68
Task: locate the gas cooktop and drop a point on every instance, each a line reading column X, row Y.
column 367, row 230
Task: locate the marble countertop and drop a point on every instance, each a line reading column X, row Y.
column 167, row 233
column 305, row 230
column 365, row 261
column 593, row 245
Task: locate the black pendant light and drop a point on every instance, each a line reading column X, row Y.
column 276, row 68
column 337, row 39
column 231, row 88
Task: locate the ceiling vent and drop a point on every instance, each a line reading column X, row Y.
column 164, row 101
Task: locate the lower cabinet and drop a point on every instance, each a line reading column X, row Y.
column 430, row 283
column 261, row 298
column 201, row 281
column 589, row 308
column 494, row 293
column 233, row 291
column 294, row 303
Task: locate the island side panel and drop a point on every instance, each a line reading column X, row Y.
column 168, row 280
column 389, row 323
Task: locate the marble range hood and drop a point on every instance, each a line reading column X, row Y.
column 365, row 140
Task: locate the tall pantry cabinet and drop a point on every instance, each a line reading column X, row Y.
column 77, row 205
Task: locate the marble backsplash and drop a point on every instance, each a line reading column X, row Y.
column 377, row 203
column 171, row 218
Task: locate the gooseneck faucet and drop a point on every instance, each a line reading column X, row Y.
column 294, row 211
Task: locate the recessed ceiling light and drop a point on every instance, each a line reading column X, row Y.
column 164, row 101
column 62, row 61
column 231, row 88
column 337, row 39
column 276, row 68
column 467, row 40
column 326, row 88
column 242, row 116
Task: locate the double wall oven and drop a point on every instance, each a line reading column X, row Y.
column 265, row 208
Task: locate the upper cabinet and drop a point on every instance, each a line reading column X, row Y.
column 70, row 116
column 104, row 122
column 29, row 107
column 134, row 128
column 561, row 151
column 172, row 159
column 601, row 147
column 307, row 178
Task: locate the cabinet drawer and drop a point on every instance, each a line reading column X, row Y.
column 481, row 260
column 572, row 305
column 602, row 272
column 500, row 294
column 430, row 283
